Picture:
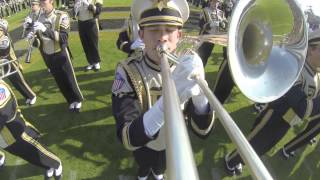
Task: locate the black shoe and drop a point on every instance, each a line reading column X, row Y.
column 313, row 141
column 230, row 170
column 286, row 155
column 259, row 107
column 235, row 170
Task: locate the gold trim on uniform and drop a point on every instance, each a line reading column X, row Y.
column 202, row 132
column 36, row 144
column 6, row 138
column 122, row 44
column 73, row 73
column 137, row 81
column 126, row 137
column 169, row 20
column 316, row 127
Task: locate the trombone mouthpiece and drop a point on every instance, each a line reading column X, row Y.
column 161, row 48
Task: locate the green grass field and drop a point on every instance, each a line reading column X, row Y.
column 87, row 143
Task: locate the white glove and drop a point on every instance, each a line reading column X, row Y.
column 77, row 5
column 214, row 24
column 38, row 26
column 85, row 3
column 137, row 44
column 153, row 119
column 30, row 35
column 189, row 66
column 27, row 21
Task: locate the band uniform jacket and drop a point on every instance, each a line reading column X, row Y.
column 136, row 87
column 85, row 14
column 212, row 20
column 55, row 38
column 128, row 34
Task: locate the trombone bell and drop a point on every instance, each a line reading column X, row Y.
column 267, row 45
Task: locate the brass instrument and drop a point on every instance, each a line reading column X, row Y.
column 264, row 62
column 31, row 40
column 7, row 67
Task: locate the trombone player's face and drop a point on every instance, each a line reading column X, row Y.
column 35, row 7
column 313, row 57
column 154, row 36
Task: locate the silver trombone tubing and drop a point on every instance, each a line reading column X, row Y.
column 180, row 161
column 250, row 157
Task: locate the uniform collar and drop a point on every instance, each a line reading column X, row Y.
column 50, row 13
column 151, row 63
column 309, row 69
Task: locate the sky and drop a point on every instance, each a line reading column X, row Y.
column 314, row 3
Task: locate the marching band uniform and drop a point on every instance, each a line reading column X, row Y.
column 52, row 38
column 128, row 40
column 136, row 94
column 17, row 79
column 306, row 136
column 212, row 21
column 87, row 12
column 300, row 102
column 20, row 138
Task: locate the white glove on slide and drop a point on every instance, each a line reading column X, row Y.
column 30, row 35
column 38, row 26
column 137, row 44
column 188, row 67
column 153, row 119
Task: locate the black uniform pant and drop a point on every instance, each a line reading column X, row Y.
column 311, row 131
column 25, row 144
column 18, row 81
column 303, row 138
column 148, row 159
column 272, row 124
column 62, row 70
column 205, row 51
column 89, row 36
column 224, row 83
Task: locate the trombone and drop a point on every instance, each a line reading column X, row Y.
column 259, row 58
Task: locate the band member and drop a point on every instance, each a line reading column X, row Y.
column 129, row 40
column 307, row 136
column 32, row 17
column 137, row 104
column 7, row 52
column 87, row 12
column 52, row 31
column 279, row 115
column 212, row 21
column 18, row 136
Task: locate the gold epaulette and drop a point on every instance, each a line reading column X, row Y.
column 130, row 65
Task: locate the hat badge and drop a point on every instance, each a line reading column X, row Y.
column 161, row 4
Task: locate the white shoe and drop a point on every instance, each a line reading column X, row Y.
column 31, row 101
column 77, row 106
column 96, row 66
column 56, row 173
column 71, row 106
column 156, row 176
column 89, row 67
column 2, row 159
